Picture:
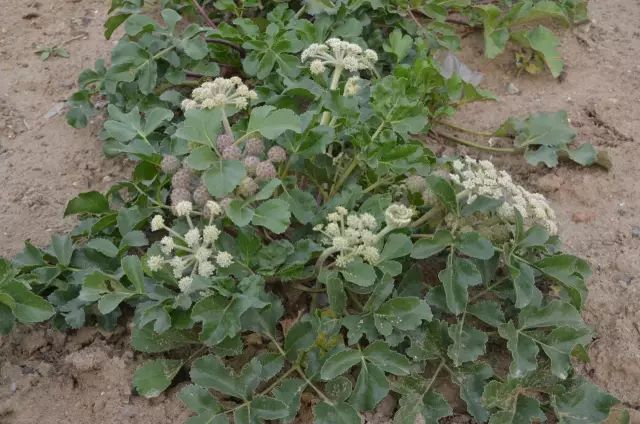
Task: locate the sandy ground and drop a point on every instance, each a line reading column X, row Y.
column 52, row 378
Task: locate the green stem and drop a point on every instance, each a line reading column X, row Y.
column 476, row 145
column 344, row 177
column 310, row 384
column 378, row 130
column 244, row 137
column 225, row 123
column 466, row 130
column 432, row 213
column 278, row 381
column 335, row 80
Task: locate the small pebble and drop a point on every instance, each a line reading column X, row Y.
column 512, row 89
column 583, row 217
column 13, row 387
column 635, row 232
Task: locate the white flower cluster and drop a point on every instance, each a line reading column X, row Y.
column 192, row 253
column 354, row 235
column 480, row 178
column 220, row 92
column 339, row 54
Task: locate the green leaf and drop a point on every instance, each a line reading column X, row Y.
column 224, row 176
column 336, row 294
column 220, row 316
column 110, row 301
column 555, row 313
column 432, row 405
column 398, row 44
column 239, row 212
column 26, row 306
column 545, row 42
column 444, row 191
column 456, row 278
column 272, row 122
column 268, row 408
column 132, row 267
column 524, row 350
column 201, row 158
column 403, row 313
column 396, row 246
column 468, row 343
column 200, row 401
column 338, row 389
column 427, row 247
column 289, row 392
column 514, row 408
column 472, row 380
column 524, row 284
column 148, row 341
column 274, row 215
column 201, row 126
column 339, row 363
column 90, row 202
column 299, row 339
column 154, row 377
column 62, row 248
column 371, row 387
column 338, row 413
column 302, row 205
column 584, row 155
column 7, row 320
column 359, row 273
column 583, row 404
column 388, row 360
column 474, row 245
column 488, row 312
column 209, row 371
column 559, row 345
column 104, row 246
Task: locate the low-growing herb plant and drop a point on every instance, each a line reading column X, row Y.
column 287, row 230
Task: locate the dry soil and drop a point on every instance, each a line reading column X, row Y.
column 84, row 376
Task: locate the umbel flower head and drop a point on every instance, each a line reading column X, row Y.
column 355, row 235
column 193, row 253
column 220, row 92
column 338, row 54
column 480, row 178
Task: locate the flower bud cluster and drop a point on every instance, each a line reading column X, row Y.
column 354, row 235
column 338, row 54
column 218, row 93
column 480, row 178
column 193, row 253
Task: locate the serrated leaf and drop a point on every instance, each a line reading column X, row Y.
column 371, row 387
column 132, row 268
column 201, row 126
column 338, row 389
column 224, row 176
column 468, row 343
column 200, row 401
column 147, row 340
column 298, row 339
column 90, row 202
column 545, row 42
column 444, row 191
column 289, row 392
column 274, row 215
column 523, row 283
column 25, row 305
column 403, row 313
column 456, row 278
column 524, row 350
column 555, row 313
column 431, row 406
column 104, row 246
column 272, row 122
column 338, row 413
column 427, row 247
column 583, row 404
column 474, row 245
column 209, row 371
column 359, row 273
column 488, row 312
column 339, row 363
column 388, row 360
column 154, row 377
column 558, row 346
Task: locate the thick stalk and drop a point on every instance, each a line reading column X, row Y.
column 335, row 80
column 466, row 130
column 476, row 145
column 225, row 123
column 344, row 177
column 434, row 212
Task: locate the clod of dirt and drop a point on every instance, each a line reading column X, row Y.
column 582, row 217
column 87, row 359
